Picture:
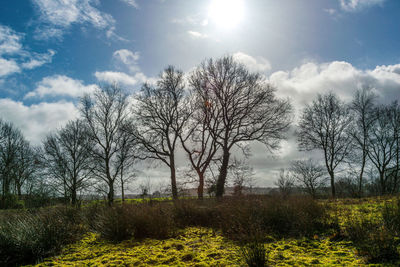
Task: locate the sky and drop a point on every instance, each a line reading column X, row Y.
column 54, row 51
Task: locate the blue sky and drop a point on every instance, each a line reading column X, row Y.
column 53, row 51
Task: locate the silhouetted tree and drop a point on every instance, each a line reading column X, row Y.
column 197, row 140
column 383, row 142
column 239, row 107
column 106, row 112
column 11, row 141
column 67, row 157
column 363, row 107
column 159, row 119
column 324, row 125
column 309, row 175
column 285, row 183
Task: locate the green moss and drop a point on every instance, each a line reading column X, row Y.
column 200, row 247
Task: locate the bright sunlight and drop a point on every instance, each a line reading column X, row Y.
column 226, row 14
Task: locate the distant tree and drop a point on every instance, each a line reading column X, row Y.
column 241, row 174
column 67, row 157
column 363, row 107
column 27, row 165
column 309, row 175
column 325, row 125
column 383, row 142
column 239, row 107
column 11, row 141
column 285, row 183
column 105, row 112
column 159, row 119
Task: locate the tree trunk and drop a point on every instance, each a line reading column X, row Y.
column 222, row 174
column 110, row 196
column 332, row 175
column 200, row 189
column 173, row 178
column 73, row 197
column 382, row 182
column 360, row 193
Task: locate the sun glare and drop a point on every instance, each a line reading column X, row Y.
column 226, row 14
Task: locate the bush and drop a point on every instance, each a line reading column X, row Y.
column 283, row 217
column 11, row 202
column 195, row 213
column 29, row 237
column 122, row 222
column 372, row 240
column 391, row 217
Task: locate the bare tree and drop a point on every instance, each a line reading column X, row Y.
column 159, row 118
column 197, row 140
column 383, row 140
column 27, row 165
column 126, row 158
column 242, row 176
column 240, row 107
column 106, row 112
column 67, row 157
column 325, row 125
column 363, row 108
column 11, row 140
column 285, row 183
column 309, row 174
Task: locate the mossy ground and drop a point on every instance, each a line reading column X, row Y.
column 201, row 247
column 197, row 246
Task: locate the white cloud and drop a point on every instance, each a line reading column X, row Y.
column 37, row 120
column 357, row 5
column 59, row 15
column 330, row 11
column 128, row 58
column 197, row 35
column 132, row 3
column 258, row 64
column 11, row 47
column 60, row 85
column 10, row 41
column 39, row 60
column 120, row 77
column 8, row 67
column 303, row 83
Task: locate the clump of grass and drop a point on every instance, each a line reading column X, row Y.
column 255, row 254
column 29, row 237
column 122, row 222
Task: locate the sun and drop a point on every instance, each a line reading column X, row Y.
column 226, row 14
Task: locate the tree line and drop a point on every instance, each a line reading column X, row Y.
column 219, row 108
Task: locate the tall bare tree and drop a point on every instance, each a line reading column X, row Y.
column 240, row 107
column 106, row 112
column 159, row 119
column 363, row 107
column 11, row 140
column 383, row 140
column 197, row 140
column 324, row 125
column 309, row 174
column 67, row 157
